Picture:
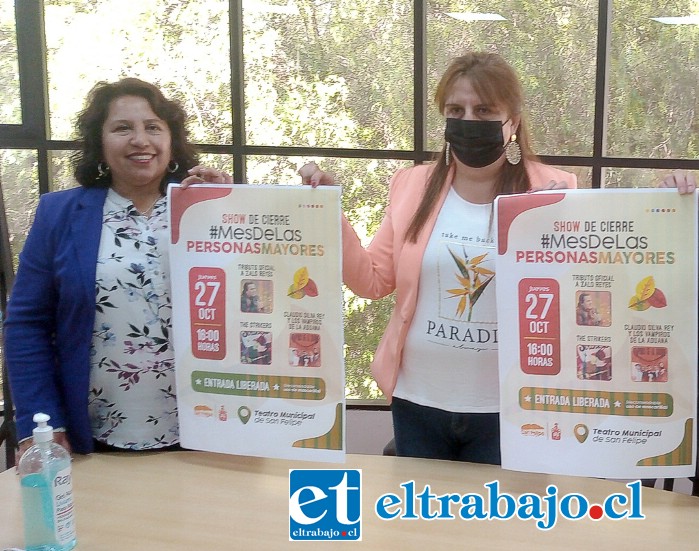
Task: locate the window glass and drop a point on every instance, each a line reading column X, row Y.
column 20, row 191
column 654, row 80
column 183, row 47
column 364, row 195
column 273, row 169
column 217, row 161
column 329, row 74
column 364, row 183
column 551, row 45
column 634, row 177
column 61, row 170
column 10, row 109
column 583, row 173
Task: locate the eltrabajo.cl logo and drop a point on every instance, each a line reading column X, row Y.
column 325, row 504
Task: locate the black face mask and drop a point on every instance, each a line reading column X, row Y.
column 475, row 143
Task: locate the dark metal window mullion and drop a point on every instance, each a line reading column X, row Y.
column 419, row 80
column 31, row 54
column 599, row 145
column 235, row 15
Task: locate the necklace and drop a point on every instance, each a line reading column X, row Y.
column 147, row 213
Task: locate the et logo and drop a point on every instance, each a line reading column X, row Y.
column 325, row 504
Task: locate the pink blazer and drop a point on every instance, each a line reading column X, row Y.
column 390, row 263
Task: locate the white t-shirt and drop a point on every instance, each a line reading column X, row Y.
column 450, row 359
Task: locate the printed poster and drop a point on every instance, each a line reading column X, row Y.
column 597, row 310
column 257, row 320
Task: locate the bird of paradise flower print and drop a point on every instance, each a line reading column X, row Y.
column 473, row 279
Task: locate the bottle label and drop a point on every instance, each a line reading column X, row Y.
column 63, row 519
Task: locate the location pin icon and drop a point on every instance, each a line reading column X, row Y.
column 244, row 414
column 581, row 432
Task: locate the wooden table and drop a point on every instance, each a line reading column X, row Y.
column 205, row 501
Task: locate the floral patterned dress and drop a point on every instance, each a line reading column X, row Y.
column 132, row 401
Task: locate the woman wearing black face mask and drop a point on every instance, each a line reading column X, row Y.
column 437, row 360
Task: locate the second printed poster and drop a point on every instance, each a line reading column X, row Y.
column 597, row 310
column 256, row 284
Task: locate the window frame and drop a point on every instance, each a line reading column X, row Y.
column 33, row 132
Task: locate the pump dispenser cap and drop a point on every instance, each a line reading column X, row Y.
column 43, row 432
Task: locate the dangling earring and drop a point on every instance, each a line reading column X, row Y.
column 446, row 154
column 102, row 169
column 173, row 168
column 513, row 153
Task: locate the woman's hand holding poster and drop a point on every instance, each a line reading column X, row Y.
column 597, row 310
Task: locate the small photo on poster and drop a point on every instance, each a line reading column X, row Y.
column 256, row 347
column 594, row 362
column 256, row 296
column 649, row 364
column 304, row 350
column 593, row 308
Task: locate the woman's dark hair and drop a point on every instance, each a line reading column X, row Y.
column 91, row 120
column 496, row 83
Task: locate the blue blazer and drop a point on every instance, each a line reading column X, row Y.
column 51, row 314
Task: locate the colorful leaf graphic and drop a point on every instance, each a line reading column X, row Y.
column 637, row 304
column 303, row 285
column 645, row 288
column 657, row 299
column 311, row 288
column 647, row 296
column 301, row 278
column 293, row 292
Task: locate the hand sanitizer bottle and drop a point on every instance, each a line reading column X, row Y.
column 47, row 492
